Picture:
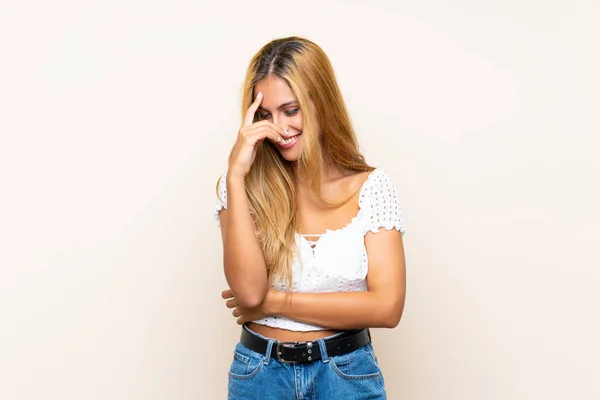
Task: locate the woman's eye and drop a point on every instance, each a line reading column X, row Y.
column 289, row 113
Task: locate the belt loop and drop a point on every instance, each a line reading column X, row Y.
column 269, row 350
column 323, row 349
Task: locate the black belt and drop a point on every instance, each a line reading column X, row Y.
column 343, row 343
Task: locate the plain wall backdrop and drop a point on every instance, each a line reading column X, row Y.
column 116, row 120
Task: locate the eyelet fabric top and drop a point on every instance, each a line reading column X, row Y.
column 338, row 260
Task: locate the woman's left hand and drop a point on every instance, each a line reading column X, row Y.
column 244, row 314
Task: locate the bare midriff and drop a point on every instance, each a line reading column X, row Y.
column 284, row 335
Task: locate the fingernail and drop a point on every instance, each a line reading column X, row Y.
column 286, row 131
column 259, row 94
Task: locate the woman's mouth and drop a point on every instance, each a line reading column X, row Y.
column 289, row 142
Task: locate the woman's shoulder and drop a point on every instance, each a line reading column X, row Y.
column 381, row 202
column 378, row 178
column 221, row 194
column 365, row 183
column 222, row 190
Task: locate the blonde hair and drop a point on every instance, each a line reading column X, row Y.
column 327, row 136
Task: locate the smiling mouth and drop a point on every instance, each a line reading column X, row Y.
column 289, row 142
column 291, row 139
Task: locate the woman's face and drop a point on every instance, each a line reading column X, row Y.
column 280, row 106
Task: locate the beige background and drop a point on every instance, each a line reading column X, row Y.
column 117, row 118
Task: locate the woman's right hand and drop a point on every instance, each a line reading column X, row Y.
column 250, row 136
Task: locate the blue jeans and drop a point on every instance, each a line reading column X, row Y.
column 352, row 376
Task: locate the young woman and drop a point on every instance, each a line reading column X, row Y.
column 312, row 237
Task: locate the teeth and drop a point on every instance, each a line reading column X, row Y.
column 290, row 140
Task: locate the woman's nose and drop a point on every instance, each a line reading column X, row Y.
column 276, row 121
column 282, row 126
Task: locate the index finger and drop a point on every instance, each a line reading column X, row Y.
column 226, row 294
column 252, row 109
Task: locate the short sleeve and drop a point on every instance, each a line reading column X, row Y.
column 221, row 202
column 385, row 210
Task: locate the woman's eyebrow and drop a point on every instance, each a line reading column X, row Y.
column 287, row 103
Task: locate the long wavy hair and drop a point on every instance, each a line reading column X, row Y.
column 327, row 137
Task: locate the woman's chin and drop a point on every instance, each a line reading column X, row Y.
column 291, row 154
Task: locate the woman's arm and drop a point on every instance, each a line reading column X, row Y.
column 243, row 260
column 379, row 307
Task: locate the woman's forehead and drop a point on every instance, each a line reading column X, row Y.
column 273, row 87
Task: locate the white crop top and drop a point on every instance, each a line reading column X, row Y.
column 338, row 262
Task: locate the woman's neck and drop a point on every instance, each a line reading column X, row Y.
column 329, row 173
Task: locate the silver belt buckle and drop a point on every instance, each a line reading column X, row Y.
column 279, row 358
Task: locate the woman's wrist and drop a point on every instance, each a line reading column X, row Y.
column 274, row 301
